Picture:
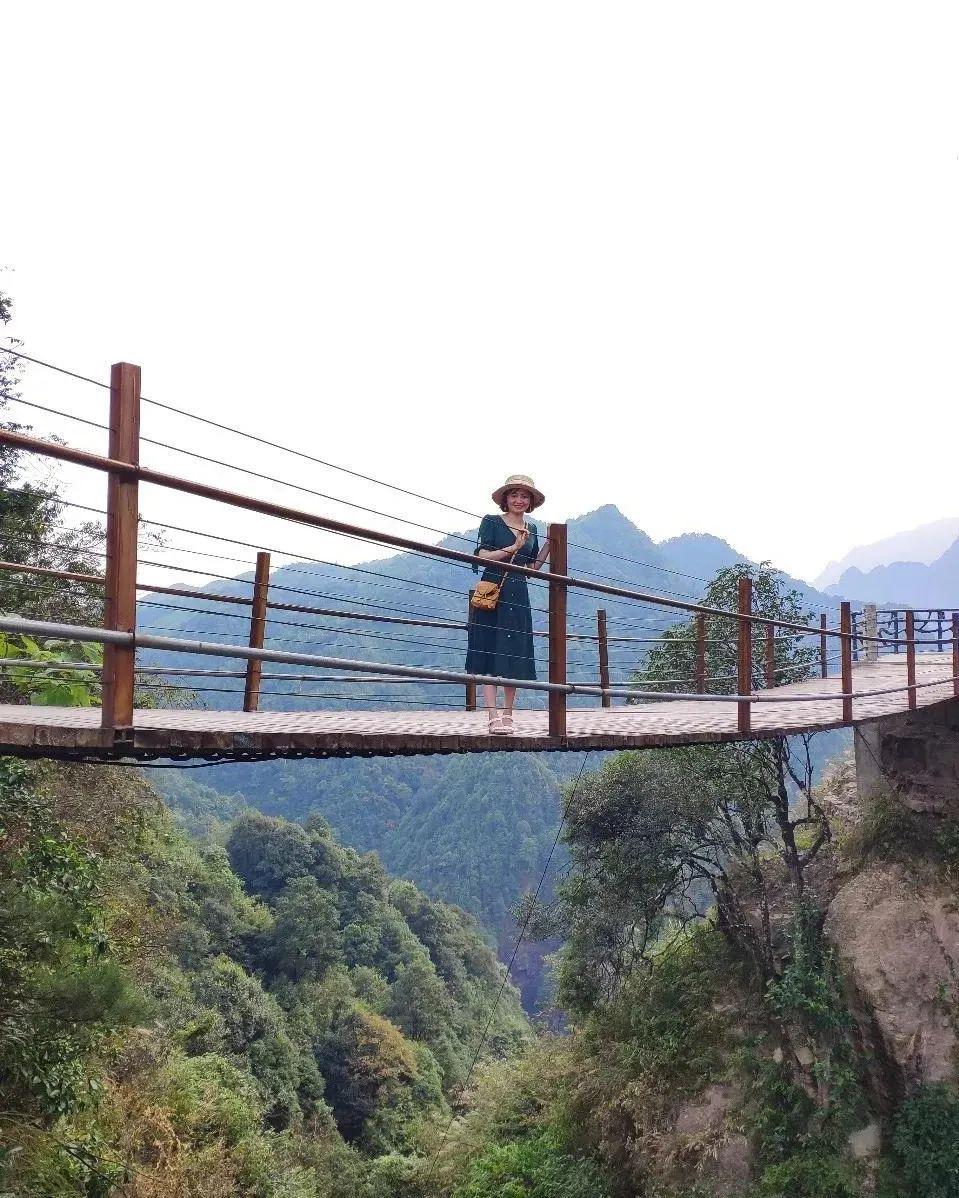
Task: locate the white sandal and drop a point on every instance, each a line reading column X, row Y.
column 495, row 723
column 507, row 722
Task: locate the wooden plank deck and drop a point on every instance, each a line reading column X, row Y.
column 70, row 732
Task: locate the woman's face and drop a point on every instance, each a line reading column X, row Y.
column 518, row 501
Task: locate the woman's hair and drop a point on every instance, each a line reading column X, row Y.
column 504, row 506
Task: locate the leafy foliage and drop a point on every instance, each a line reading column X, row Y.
column 539, row 1166
column 926, row 1143
column 71, row 686
column 159, row 1022
column 671, row 665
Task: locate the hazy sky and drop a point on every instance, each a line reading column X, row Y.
column 699, row 260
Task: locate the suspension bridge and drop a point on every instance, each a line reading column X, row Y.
column 863, row 666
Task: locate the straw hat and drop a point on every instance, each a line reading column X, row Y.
column 517, row 482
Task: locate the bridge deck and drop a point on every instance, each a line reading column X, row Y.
column 74, row 732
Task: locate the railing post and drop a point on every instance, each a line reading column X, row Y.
column 823, row 647
column 955, row 654
column 603, row 641
column 120, row 596
column 941, row 615
column 854, row 616
column 845, row 627
column 771, row 656
column 895, row 631
column 871, row 621
column 744, row 656
column 470, row 686
column 254, row 667
column 701, row 653
column 557, row 630
column 911, row 657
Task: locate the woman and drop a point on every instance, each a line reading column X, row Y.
column 501, row 640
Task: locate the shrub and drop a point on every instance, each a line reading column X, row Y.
column 926, row 1142
column 810, row 1175
column 536, row 1167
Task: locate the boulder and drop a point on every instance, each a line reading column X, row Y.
column 898, row 944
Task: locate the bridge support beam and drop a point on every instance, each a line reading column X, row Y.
column 915, row 756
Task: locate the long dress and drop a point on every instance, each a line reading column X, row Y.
column 500, row 642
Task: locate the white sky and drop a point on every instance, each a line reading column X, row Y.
column 699, row 260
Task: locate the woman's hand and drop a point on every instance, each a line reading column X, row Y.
column 522, row 536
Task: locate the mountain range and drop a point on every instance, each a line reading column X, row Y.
column 914, row 569
column 922, row 545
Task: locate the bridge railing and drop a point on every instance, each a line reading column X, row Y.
column 124, row 473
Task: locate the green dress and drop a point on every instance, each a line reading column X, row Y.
column 500, row 642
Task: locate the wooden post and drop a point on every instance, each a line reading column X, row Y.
column 744, row 654
column 701, row 653
column 955, row 653
column 120, row 607
column 823, row 648
column 603, row 641
column 254, row 668
column 557, row 630
column 470, row 686
column 770, row 656
column 845, row 627
column 911, row 657
column 941, row 615
column 854, row 616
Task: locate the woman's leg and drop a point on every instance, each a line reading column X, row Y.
column 509, row 697
column 489, row 697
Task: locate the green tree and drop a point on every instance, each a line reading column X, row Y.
column 660, row 838
column 305, row 938
column 33, row 530
column 62, row 990
column 419, row 1002
column 367, row 1063
column 268, row 853
column 671, row 664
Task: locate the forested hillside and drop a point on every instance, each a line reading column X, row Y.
column 476, row 837
column 278, row 1019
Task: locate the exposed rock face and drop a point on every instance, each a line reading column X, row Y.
column 898, row 943
column 722, row 1155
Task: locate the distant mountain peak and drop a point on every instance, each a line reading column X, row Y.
column 700, row 554
column 922, row 544
column 606, row 512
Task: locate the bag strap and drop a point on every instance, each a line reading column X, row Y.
column 504, row 574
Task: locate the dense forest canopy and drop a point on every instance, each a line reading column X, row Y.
column 273, row 1013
